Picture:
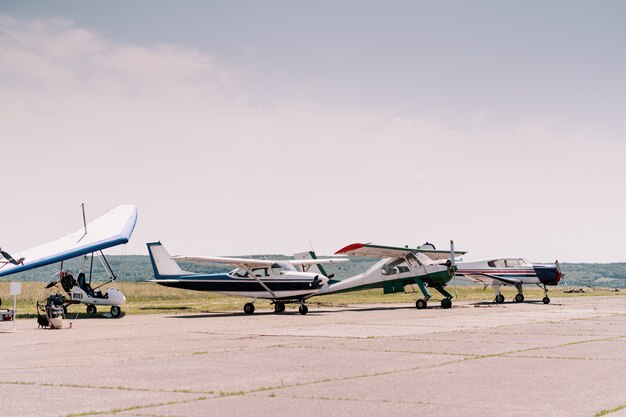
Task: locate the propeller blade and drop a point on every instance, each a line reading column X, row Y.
column 456, row 295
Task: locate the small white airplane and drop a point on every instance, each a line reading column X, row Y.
column 111, row 229
column 274, row 280
column 511, row 271
column 400, row 267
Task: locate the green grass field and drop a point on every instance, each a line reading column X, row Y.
column 149, row 298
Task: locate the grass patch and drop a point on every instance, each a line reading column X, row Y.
column 609, row 411
column 150, row 298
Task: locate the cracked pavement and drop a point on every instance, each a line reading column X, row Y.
column 567, row 358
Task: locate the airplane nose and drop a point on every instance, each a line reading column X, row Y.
column 548, row 274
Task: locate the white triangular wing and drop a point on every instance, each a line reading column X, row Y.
column 111, row 229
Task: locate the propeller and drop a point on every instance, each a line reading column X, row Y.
column 561, row 274
column 316, row 281
column 453, row 267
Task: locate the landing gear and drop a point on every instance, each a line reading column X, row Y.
column 420, row 304
column 519, row 298
column 279, row 307
column 248, row 308
column 303, row 309
column 91, row 309
column 446, row 303
column 499, row 299
column 546, row 299
column 115, row 312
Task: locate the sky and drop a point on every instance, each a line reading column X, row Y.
column 273, row 127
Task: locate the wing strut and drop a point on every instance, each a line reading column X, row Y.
column 249, row 270
column 82, row 205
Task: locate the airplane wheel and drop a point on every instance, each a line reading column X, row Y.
column 519, row 298
column 248, row 308
column 546, row 300
column 279, row 307
column 446, row 303
column 91, row 309
column 303, row 309
column 115, row 312
column 420, row 304
column 499, row 299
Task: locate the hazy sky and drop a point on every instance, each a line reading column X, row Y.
column 258, row 127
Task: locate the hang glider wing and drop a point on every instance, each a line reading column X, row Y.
column 378, row 251
column 111, row 229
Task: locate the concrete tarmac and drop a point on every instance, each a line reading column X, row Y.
column 567, row 358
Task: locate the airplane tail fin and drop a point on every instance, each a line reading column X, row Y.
column 162, row 263
column 318, row 268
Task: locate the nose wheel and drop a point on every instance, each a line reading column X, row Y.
column 446, row 303
column 116, row 312
column 546, row 300
column 248, row 308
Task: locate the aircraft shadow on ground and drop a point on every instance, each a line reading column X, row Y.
column 312, row 312
column 492, row 304
column 338, row 310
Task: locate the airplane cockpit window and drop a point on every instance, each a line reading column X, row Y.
column 260, row 272
column 239, row 273
column 412, row 260
column 512, row 263
column 242, row 273
column 497, row 263
column 395, row 266
column 279, row 267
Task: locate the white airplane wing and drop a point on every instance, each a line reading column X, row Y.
column 378, row 251
column 253, row 263
column 318, row 261
column 111, row 229
column 240, row 262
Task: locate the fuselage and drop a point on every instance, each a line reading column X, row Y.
column 392, row 273
column 509, row 271
column 289, row 285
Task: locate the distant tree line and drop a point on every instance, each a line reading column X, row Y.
column 139, row 268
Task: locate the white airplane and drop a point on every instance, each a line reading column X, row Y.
column 274, row 280
column 400, row 267
column 511, row 271
column 111, row 229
